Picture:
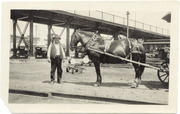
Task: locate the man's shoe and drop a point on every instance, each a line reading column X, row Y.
column 52, row 82
column 59, row 82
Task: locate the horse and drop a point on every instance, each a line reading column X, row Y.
column 121, row 47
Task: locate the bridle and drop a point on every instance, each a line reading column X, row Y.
column 84, row 44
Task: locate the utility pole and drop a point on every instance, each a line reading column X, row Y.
column 128, row 30
column 134, row 18
column 127, row 23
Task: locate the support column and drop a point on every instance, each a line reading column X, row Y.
column 14, row 37
column 31, row 36
column 49, row 35
column 67, row 41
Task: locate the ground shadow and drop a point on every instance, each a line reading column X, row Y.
column 104, row 84
column 48, row 81
column 81, row 83
column 116, row 84
column 154, row 85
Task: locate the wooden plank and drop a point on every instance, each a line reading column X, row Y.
column 22, row 34
column 62, row 32
column 53, row 31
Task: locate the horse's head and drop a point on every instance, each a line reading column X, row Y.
column 80, row 36
column 75, row 39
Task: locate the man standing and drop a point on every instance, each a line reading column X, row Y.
column 55, row 55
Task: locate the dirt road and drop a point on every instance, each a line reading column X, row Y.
column 34, row 74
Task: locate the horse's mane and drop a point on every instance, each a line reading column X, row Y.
column 100, row 39
column 87, row 33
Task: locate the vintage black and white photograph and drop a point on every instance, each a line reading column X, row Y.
column 89, row 56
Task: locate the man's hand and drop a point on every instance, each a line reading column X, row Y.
column 49, row 60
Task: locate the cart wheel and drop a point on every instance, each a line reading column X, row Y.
column 163, row 74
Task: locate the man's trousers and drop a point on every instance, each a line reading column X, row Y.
column 56, row 64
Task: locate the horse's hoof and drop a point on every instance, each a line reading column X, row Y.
column 97, row 84
column 134, row 86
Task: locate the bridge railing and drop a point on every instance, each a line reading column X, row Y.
column 121, row 20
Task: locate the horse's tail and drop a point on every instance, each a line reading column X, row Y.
column 143, row 60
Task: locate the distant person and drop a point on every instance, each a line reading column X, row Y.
column 55, row 56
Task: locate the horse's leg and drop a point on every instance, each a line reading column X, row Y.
column 98, row 73
column 137, row 79
column 138, row 69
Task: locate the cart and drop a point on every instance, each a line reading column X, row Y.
column 74, row 68
column 163, row 73
column 162, row 70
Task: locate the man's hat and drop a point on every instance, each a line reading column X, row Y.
column 56, row 37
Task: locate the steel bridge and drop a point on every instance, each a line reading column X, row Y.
column 89, row 20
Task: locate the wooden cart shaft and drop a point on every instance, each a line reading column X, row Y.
column 125, row 59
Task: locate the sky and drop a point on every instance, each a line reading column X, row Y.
column 152, row 18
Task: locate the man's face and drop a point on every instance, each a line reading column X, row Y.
column 56, row 40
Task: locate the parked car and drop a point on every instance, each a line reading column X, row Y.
column 40, row 52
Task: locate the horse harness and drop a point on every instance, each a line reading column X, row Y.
column 94, row 38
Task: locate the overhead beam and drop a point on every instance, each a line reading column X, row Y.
column 59, row 24
column 58, row 16
column 23, row 18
